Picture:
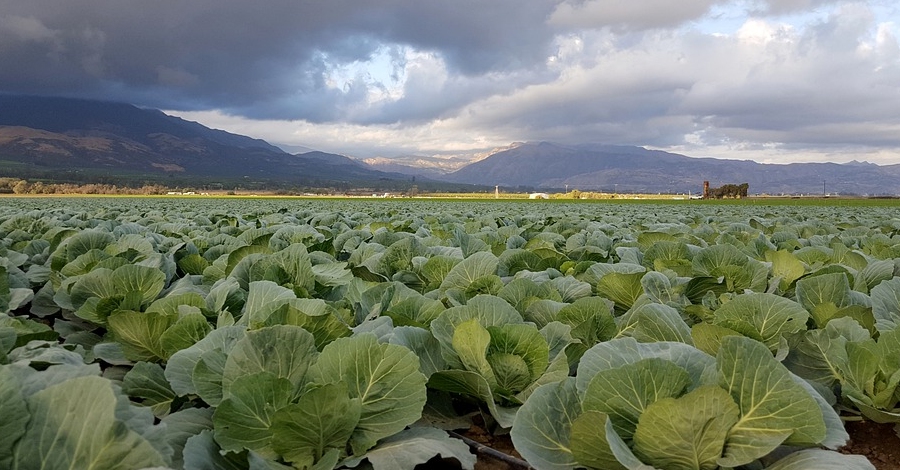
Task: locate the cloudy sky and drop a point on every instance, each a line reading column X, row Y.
column 768, row 80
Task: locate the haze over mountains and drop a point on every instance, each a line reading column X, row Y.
column 59, row 138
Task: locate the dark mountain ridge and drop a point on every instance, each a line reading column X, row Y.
column 63, row 139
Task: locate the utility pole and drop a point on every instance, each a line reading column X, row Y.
column 497, row 192
column 824, row 194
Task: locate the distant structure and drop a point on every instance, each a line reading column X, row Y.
column 538, row 196
column 706, row 190
column 497, row 192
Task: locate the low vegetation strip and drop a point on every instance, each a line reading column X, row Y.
column 289, row 333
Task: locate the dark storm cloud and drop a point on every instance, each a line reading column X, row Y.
column 260, row 59
column 461, row 77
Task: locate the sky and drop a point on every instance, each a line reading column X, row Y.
column 775, row 81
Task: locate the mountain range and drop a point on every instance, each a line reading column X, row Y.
column 73, row 140
column 62, row 139
column 627, row 169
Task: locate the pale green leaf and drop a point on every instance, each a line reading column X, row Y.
column 286, row 351
column 818, row 459
column 416, row 446
column 242, row 420
column 55, row 437
column 542, row 427
column 146, row 384
column 764, row 317
column 323, row 419
column 688, row 432
column 140, row 333
column 180, row 367
column 384, row 377
column 775, row 410
column 476, row 266
column 181, row 426
column 625, row 392
column 590, row 446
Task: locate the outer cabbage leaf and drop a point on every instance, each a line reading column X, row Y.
column 146, row 383
column 140, row 333
column 818, row 459
column 423, row 344
column 147, row 281
column 886, row 304
column 55, row 437
column 658, row 287
column 625, row 392
column 471, row 342
column 174, row 304
column 474, row 385
column 201, row 452
column 785, row 267
column 590, row 443
column 180, row 367
column 571, row 289
column 384, row 377
column 487, row 309
column 712, row 260
column 208, row 373
column 514, row 260
column 873, row 274
column 775, row 409
column 184, row 333
column 264, row 298
column 476, row 266
column 413, row 447
column 314, row 316
column 243, row 419
column 295, row 262
column 15, row 415
column 686, row 433
column 286, row 351
column 78, row 244
column 543, row 311
column 821, row 354
column 658, row 322
column 542, row 426
column 436, row 269
column 708, row 337
column 181, row 426
column 592, row 321
column 823, row 295
column 700, row 366
column 521, row 292
column 621, row 288
column 767, row 318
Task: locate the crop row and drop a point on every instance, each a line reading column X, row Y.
column 269, row 334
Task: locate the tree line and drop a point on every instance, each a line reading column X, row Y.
column 736, row 191
column 21, row 186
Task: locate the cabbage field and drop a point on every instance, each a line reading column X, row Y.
column 316, row 334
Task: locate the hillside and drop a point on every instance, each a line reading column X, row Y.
column 61, row 139
column 635, row 169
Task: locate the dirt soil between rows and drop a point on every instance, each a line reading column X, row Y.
column 877, row 442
